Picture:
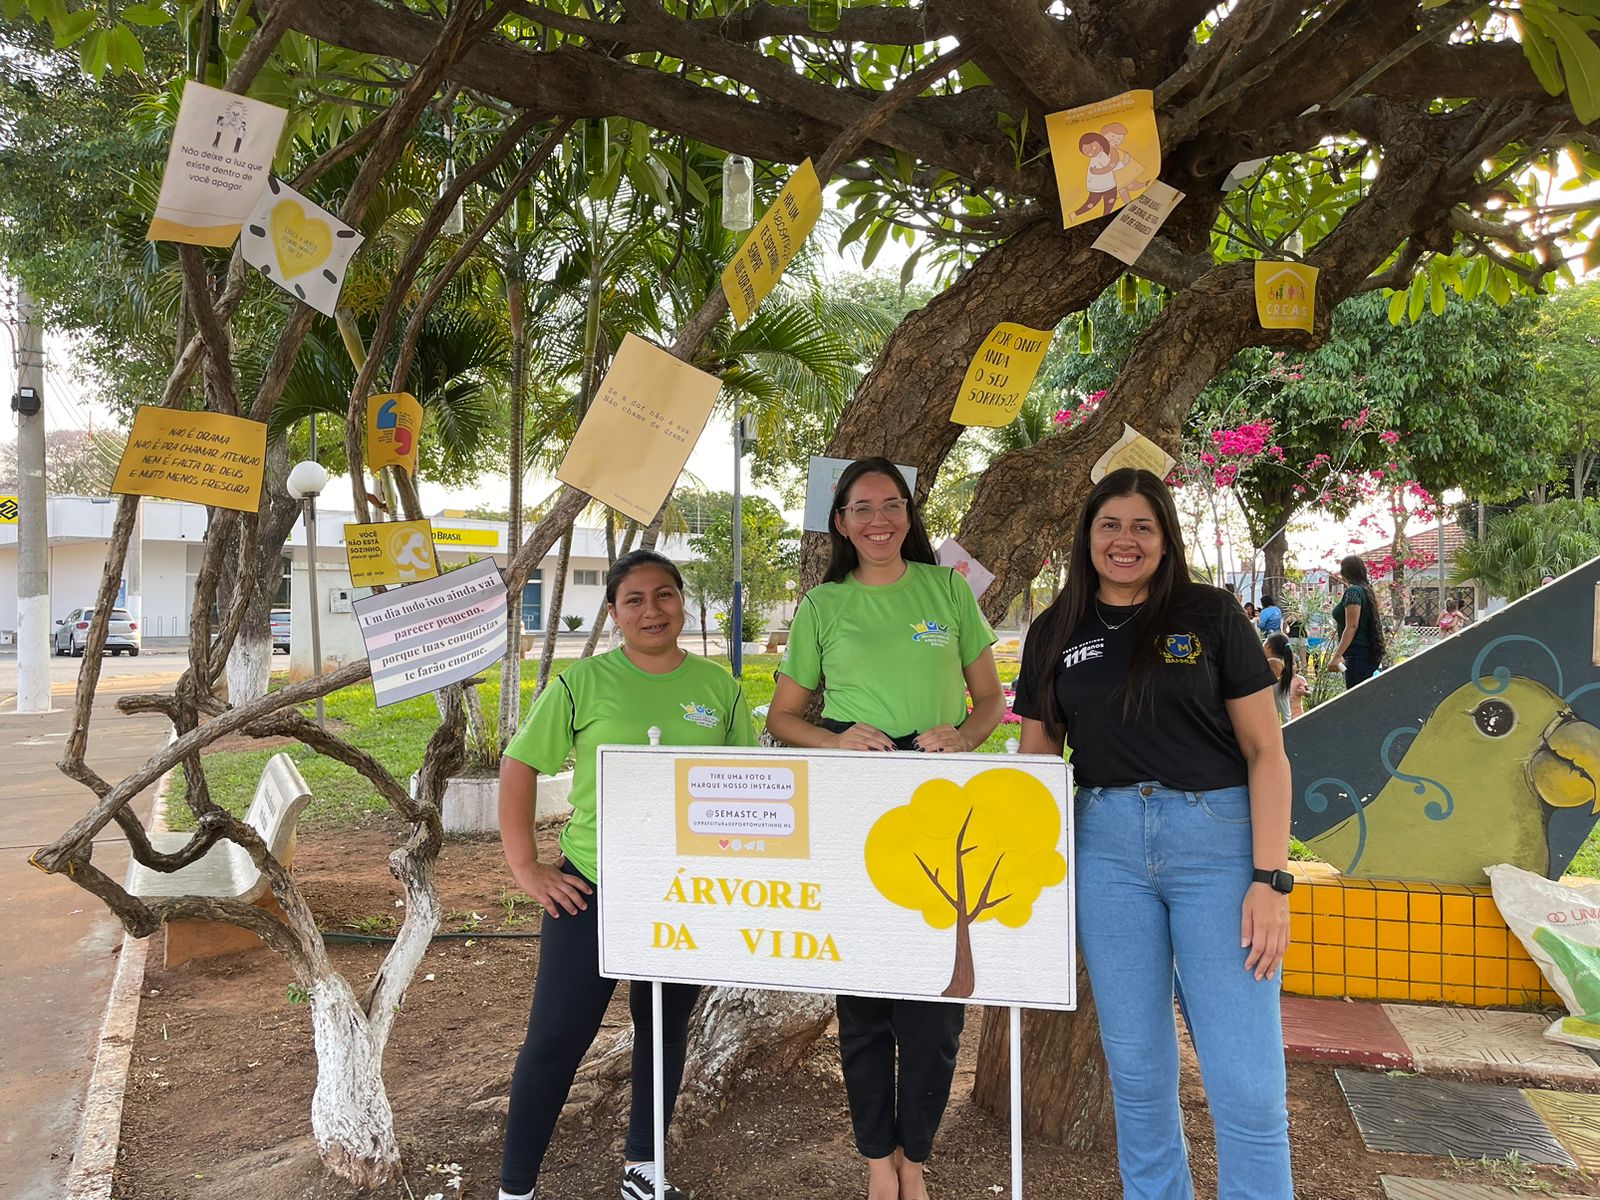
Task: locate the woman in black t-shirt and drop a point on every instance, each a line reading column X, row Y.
column 1182, row 835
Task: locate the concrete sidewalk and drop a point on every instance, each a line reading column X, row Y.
column 58, row 943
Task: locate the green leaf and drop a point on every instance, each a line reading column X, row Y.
column 1397, row 307
column 95, row 53
column 11, row 9
column 1419, row 297
column 879, row 235
column 1540, row 52
column 1436, row 296
column 909, row 269
column 73, row 26
column 1580, row 63
column 1499, row 285
column 144, row 14
column 132, row 52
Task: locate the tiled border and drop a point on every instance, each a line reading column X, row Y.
column 1384, row 939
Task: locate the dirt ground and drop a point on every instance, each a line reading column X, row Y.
column 219, row 1098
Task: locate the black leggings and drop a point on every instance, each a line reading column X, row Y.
column 569, row 1002
column 885, row 1114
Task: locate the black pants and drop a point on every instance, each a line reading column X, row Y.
column 1359, row 667
column 569, row 1002
column 887, row 1114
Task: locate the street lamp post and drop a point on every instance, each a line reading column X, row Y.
column 305, row 484
column 743, row 439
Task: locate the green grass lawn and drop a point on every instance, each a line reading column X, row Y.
column 397, row 736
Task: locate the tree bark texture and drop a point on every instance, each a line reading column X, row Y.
column 1066, row 1091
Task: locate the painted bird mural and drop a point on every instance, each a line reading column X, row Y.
column 1479, row 784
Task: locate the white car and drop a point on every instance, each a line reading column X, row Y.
column 72, row 633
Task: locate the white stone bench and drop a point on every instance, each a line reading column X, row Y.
column 226, row 870
column 472, row 802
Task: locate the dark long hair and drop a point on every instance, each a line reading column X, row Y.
column 1353, row 569
column 1282, row 649
column 842, row 556
column 1067, row 612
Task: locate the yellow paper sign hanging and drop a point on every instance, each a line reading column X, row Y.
column 389, row 553
column 394, row 428
column 203, row 457
column 1000, row 374
column 1104, row 154
column 466, row 537
column 1286, row 295
column 773, row 243
column 8, row 510
column 1133, row 449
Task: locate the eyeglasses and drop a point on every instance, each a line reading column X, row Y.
column 892, row 510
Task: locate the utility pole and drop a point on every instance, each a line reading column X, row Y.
column 33, row 545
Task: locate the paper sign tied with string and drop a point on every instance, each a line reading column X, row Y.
column 1104, row 154
column 1126, row 237
column 773, row 243
column 1000, row 374
column 390, row 552
column 1133, row 449
column 979, row 577
column 300, row 246
column 647, row 414
column 394, row 429
column 222, row 149
column 1286, row 295
column 203, row 457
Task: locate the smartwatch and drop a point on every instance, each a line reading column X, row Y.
column 1278, row 881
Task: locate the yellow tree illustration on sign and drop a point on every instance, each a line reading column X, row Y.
column 964, row 853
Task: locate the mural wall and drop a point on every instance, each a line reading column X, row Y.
column 1483, row 749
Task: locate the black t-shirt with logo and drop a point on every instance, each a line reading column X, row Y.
column 1182, row 735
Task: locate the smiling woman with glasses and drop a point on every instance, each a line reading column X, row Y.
column 901, row 643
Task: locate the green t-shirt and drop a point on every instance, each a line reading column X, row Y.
column 606, row 700
column 1362, row 640
column 892, row 656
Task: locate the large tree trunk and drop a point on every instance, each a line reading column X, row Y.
column 1066, row 1091
column 603, row 614
column 1277, row 508
column 350, row 1115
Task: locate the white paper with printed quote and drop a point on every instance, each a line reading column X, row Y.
column 423, row 636
column 222, row 149
column 299, row 245
column 918, row 876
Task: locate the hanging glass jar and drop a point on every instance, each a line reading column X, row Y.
column 456, row 222
column 738, row 192
column 1128, row 293
column 823, row 15
column 1085, row 335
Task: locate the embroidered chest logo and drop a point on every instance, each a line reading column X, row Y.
column 1083, row 652
column 930, row 633
column 701, row 715
column 1182, row 648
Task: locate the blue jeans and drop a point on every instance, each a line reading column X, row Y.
column 1161, row 879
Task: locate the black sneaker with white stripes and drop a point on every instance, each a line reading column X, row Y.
column 638, row 1184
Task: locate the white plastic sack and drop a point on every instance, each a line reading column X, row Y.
column 1560, row 926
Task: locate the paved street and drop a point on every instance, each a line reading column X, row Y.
column 58, row 943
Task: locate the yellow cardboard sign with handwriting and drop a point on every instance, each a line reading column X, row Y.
column 1000, row 374
column 202, row 457
column 755, row 270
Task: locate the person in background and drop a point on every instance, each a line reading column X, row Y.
column 1250, row 611
column 1270, row 619
column 1291, row 690
column 613, row 697
column 1159, row 686
column 1452, row 618
column 1361, row 644
column 900, row 643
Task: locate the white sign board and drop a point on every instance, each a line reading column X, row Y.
column 299, row 245
column 222, row 149
column 822, row 476
column 426, row 635
column 916, row 876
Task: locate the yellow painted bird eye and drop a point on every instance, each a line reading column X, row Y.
column 1495, row 718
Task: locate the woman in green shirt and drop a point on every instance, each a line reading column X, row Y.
column 901, row 643
column 608, row 699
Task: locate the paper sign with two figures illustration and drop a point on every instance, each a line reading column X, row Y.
column 1104, row 155
column 918, row 876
